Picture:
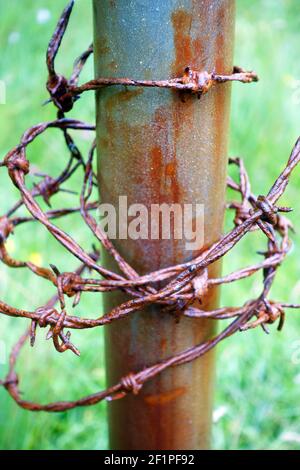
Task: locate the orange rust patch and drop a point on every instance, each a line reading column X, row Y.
column 164, row 397
column 170, row 169
column 220, row 66
column 188, row 51
column 156, row 159
column 163, row 345
column 167, row 191
column 198, row 54
column 165, row 167
column 182, row 22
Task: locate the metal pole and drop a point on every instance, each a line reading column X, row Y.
column 157, row 146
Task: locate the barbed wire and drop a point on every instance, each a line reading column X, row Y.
column 184, row 283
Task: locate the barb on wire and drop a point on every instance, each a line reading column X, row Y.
column 64, row 92
column 183, row 283
column 192, row 81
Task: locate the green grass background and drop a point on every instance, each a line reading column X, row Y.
column 258, row 377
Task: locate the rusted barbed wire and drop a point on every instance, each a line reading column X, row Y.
column 183, row 283
column 191, row 81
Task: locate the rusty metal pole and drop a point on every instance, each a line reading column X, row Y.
column 156, row 146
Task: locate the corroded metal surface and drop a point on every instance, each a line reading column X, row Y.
column 157, row 146
column 191, row 280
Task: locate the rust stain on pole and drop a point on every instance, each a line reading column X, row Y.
column 157, row 146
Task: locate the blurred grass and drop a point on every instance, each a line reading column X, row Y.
column 257, row 390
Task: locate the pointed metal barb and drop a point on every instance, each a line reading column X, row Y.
column 57, row 37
